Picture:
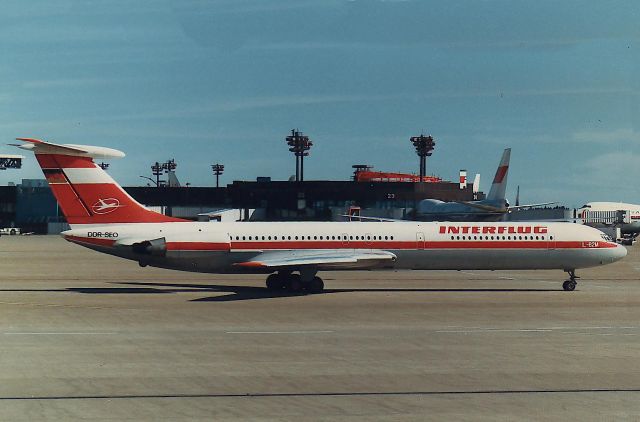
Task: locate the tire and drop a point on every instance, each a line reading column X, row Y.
column 295, row 283
column 274, row 282
column 569, row 285
column 12, row 232
column 316, row 285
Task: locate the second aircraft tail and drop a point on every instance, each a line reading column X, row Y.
column 498, row 190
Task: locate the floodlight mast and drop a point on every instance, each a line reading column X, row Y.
column 424, row 146
column 218, row 169
column 300, row 145
column 157, row 171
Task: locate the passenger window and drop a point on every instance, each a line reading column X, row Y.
column 391, row 237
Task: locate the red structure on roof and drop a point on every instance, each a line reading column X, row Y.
column 367, row 175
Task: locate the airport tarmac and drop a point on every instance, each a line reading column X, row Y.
column 88, row 336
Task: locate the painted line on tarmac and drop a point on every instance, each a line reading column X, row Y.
column 56, row 334
column 51, row 305
column 280, row 332
column 612, row 390
column 574, row 330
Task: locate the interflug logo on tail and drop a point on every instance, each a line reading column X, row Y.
column 106, row 206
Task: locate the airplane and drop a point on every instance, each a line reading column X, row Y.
column 103, row 217
column 493, row 208
column 597, row 214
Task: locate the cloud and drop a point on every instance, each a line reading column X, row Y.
column 614, row 172
column 542, row 24
column 63, row 83
column 619, row 136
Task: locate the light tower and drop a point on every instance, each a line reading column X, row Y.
column 424, row 146
column 169, row 165
column 218, row 169
column 299, row 144
column 157, row 171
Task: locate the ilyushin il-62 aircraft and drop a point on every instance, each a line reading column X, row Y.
column 103, row 217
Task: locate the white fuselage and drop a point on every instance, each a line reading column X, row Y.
column 220, row 247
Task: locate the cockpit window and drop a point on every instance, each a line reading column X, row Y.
column 606, row 237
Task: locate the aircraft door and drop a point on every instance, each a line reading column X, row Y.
column 551, row 241
column 420, row 240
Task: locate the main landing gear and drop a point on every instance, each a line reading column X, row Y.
column 295, row 283
column 570, row 285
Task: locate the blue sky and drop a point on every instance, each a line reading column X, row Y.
column 224, row 81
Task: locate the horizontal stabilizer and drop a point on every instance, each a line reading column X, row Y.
column 41, row 147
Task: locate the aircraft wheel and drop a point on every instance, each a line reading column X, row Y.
column 274, row 282
column 316, row 285
column 569, row 285
column 294, row 283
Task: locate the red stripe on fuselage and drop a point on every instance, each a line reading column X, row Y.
column 197, row 246
column 387, row 245
column 90, row 240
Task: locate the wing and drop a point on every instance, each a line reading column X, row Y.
column 517, row 207
column 487, row 208
column 378, row 219
column 320, row 258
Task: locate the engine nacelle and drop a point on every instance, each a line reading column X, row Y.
column 155, row 247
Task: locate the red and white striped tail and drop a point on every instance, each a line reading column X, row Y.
column 86, row 193
column 498, row 189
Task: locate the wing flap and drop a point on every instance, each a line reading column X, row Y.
column 319, row 258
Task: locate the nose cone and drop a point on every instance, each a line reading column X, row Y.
column 619, row 252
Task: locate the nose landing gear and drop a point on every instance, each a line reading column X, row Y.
column 570, row 285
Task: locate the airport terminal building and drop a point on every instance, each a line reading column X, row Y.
column 31, row 206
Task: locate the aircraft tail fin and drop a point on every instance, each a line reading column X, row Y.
column 499, row 187
column 85, row 192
